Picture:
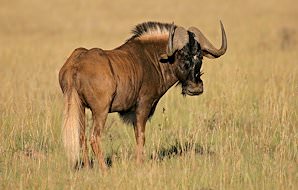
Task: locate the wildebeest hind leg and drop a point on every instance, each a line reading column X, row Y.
column 83, row 140
column 99, row 108
column 98, row 125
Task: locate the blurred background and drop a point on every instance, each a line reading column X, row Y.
column 247, row 117
column 108, row 23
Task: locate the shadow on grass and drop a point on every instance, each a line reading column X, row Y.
column 179, row 149
column 80, row 164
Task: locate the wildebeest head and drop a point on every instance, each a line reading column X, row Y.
column 186, row 49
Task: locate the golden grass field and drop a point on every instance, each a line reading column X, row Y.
column 240, row 134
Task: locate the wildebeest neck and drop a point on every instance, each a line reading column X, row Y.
column 146, row 52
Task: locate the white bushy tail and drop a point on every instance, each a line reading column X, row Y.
column 72, row 124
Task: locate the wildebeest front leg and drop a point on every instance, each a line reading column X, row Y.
column 142, row 114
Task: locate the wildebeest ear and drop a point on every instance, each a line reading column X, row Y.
column 164, row 58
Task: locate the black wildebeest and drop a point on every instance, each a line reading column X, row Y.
column 130, row 80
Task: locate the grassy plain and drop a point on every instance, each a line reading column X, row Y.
column 240, row 134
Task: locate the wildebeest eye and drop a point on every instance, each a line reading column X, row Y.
column 186, row 65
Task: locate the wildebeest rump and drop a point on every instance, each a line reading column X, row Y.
column 130, row 80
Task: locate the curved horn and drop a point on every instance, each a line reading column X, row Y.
column 178, row 38
column 208, row 49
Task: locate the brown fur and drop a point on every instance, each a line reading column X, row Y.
column 129, row 80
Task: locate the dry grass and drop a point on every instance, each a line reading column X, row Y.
column 240, row 134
